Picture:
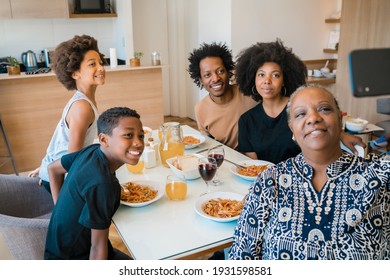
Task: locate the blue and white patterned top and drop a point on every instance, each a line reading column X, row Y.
column 284, row 217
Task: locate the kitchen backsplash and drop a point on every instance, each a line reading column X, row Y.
column 18, row 36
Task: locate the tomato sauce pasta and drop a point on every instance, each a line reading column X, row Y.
column 252, row 170
column 190, row 140
column 134, row 193
column 223, row 208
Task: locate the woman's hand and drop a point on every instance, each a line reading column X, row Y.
column 351, row 140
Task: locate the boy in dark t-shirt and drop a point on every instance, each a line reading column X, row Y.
column 90, row 194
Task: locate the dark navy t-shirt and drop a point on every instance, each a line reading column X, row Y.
column 88, row 199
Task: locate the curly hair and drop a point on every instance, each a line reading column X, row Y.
column 209, row 50
column 250, row 59
column 68, row 56
column 109, row 119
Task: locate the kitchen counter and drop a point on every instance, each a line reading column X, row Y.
column 119, row 68
column 31, row 106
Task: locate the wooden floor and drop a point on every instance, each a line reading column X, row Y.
column 115, row 239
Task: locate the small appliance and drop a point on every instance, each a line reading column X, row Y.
column 48, row 53
column 29, row 59
column 92, row 6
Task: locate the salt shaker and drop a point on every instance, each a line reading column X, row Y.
column 154, row 145
column 149, row 156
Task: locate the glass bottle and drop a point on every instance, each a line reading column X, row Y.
column 171, row 144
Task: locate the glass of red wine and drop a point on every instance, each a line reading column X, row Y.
column 218, row 153
column 207, row 168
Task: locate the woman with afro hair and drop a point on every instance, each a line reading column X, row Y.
column 270, row 73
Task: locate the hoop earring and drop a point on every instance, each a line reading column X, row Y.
column 254, row 91
column 285, row 91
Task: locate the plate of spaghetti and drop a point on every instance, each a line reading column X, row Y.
column 252, row 169
column 141, row 193
column 220, row 206
column 192, row 140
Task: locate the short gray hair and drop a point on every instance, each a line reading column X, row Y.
column 311, row 86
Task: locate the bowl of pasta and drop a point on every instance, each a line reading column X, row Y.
column 192, row 140
column 220, row 206
column 252, row 169
column 141, row 193
column 186, row 165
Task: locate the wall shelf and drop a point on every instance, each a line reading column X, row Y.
column 332, row 20
column 330, row 51
column 107, row 15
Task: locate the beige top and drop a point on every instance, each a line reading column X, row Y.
column 221, row 121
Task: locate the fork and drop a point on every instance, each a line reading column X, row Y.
column 236, row 164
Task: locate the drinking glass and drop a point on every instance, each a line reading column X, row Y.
column 218, row 153
column 138, row 168
column 207, row 168
column 176, row 187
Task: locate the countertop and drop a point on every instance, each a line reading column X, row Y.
column 51, row 73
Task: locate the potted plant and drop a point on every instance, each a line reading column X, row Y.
column 13, row 67
column 136, row 60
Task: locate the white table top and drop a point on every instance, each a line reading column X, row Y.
column 172, row 229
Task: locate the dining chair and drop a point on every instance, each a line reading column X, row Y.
column 9, row 155
column 25, row 210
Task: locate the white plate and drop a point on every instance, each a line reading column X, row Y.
column 214, row 195
column 197, row 136
column 151, row 184
column 233, row 168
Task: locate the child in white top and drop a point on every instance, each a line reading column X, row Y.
column 78, row 65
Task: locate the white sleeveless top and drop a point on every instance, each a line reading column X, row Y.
column 60, row 140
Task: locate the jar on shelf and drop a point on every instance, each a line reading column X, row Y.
column 156, row 59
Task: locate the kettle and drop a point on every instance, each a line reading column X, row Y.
column 29, row 59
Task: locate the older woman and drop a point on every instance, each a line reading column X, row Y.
column 322, row 204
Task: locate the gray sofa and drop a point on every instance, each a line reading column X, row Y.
column 25, row 209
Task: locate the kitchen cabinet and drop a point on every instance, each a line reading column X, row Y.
column 31, row 106
column 39, row 9
column 5, row 9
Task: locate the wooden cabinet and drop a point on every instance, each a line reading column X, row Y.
column 5, row 9
column 31, row 106
column 39, row 9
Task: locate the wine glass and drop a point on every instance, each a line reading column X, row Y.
column 207, row 168
column 218, row 153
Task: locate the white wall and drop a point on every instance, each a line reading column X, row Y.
column 300, row 24
column 176, row 27
column 20, row 35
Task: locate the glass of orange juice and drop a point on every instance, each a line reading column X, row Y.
column 138, row 168
column 176, row 187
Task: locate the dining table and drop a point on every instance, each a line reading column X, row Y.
column 172, row 229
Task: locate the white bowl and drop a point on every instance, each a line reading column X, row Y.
column 329, row 75
column 356, row 124
column 189, row 164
